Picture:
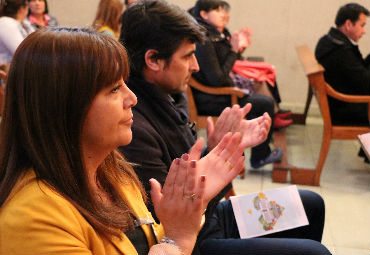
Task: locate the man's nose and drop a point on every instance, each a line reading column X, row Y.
column 194, row 65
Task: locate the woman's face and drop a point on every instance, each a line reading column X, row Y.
column 37, row 6
column 109, row 119
column 214, row 17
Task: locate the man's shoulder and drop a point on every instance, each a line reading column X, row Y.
column 333, row 41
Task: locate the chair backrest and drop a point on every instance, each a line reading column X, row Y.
column 321, row 89
column 315, row 74
column 200, row 120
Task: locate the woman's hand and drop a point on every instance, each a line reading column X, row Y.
column 236, row 42
column 221, row 165
column 180, row 204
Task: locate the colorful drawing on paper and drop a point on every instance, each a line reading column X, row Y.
column 270, row 211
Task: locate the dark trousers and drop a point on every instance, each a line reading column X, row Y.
column 220, row 234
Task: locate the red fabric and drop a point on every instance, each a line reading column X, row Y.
column 34, row 20
column 259, row 71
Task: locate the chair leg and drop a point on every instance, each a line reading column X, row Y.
column 325, row 145
column 308, row 102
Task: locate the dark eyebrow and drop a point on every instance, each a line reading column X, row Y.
column 190, row 53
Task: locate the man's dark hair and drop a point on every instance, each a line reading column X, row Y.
column 350, row 11
column 158, row 25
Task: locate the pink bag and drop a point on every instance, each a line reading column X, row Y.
column 258, row 71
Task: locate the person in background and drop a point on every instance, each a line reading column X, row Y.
column 38, row 14
column 14, row 27
column 345, row 68
column 281, row 117
column 220, row 59
column 216, row 57
column 108, row 17
column 64, row 187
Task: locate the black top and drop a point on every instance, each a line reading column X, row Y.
column 215, row 58
column 139, row 241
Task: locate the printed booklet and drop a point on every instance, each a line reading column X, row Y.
column 269, row 211
column 365, row 143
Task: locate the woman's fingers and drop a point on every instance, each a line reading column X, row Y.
column 171, row 177
column 196, row 150
column 180, row 181
column 222, row 144
column 235, row 170
column 200, row 193
column 190, row 185
column 231, row 146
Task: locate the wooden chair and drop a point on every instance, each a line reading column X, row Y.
column 315, row 74
column 201, row 120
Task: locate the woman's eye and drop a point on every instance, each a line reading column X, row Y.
column 115, row 90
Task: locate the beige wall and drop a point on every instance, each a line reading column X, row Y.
column 279, row 26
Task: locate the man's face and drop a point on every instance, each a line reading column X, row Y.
column 357, row 30
column 174, row 76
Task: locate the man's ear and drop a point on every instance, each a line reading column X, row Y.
column 151, row 61
column 348, row 24
column 203, row 14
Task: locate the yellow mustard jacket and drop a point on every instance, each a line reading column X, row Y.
column 37, row 220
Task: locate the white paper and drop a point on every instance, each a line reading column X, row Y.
column 269, row 211
column 365, row 143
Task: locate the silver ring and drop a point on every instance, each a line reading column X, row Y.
column 190, row 196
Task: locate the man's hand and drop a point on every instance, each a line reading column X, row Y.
column 232, row 120
column 229, row 121
column 255, row 131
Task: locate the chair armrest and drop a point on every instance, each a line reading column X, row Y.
column 347, row 98
column 215, row 91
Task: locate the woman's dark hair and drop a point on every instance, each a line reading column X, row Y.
column 208, row 5
column 46, row 8
column 158, row 25
column 109, row 14
column 11, row 7
column 350, row 11
column 54, row 76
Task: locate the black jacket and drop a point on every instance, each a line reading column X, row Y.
column 216, row 60
column 347, row 72
column 161, row 133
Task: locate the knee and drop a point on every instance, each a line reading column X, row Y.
column 312, row 247
column 312, row 199
column 268, row 105
column 260, row 105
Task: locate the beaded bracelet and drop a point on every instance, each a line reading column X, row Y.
column 165, row 239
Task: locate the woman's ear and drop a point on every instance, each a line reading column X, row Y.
column 151, row 61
